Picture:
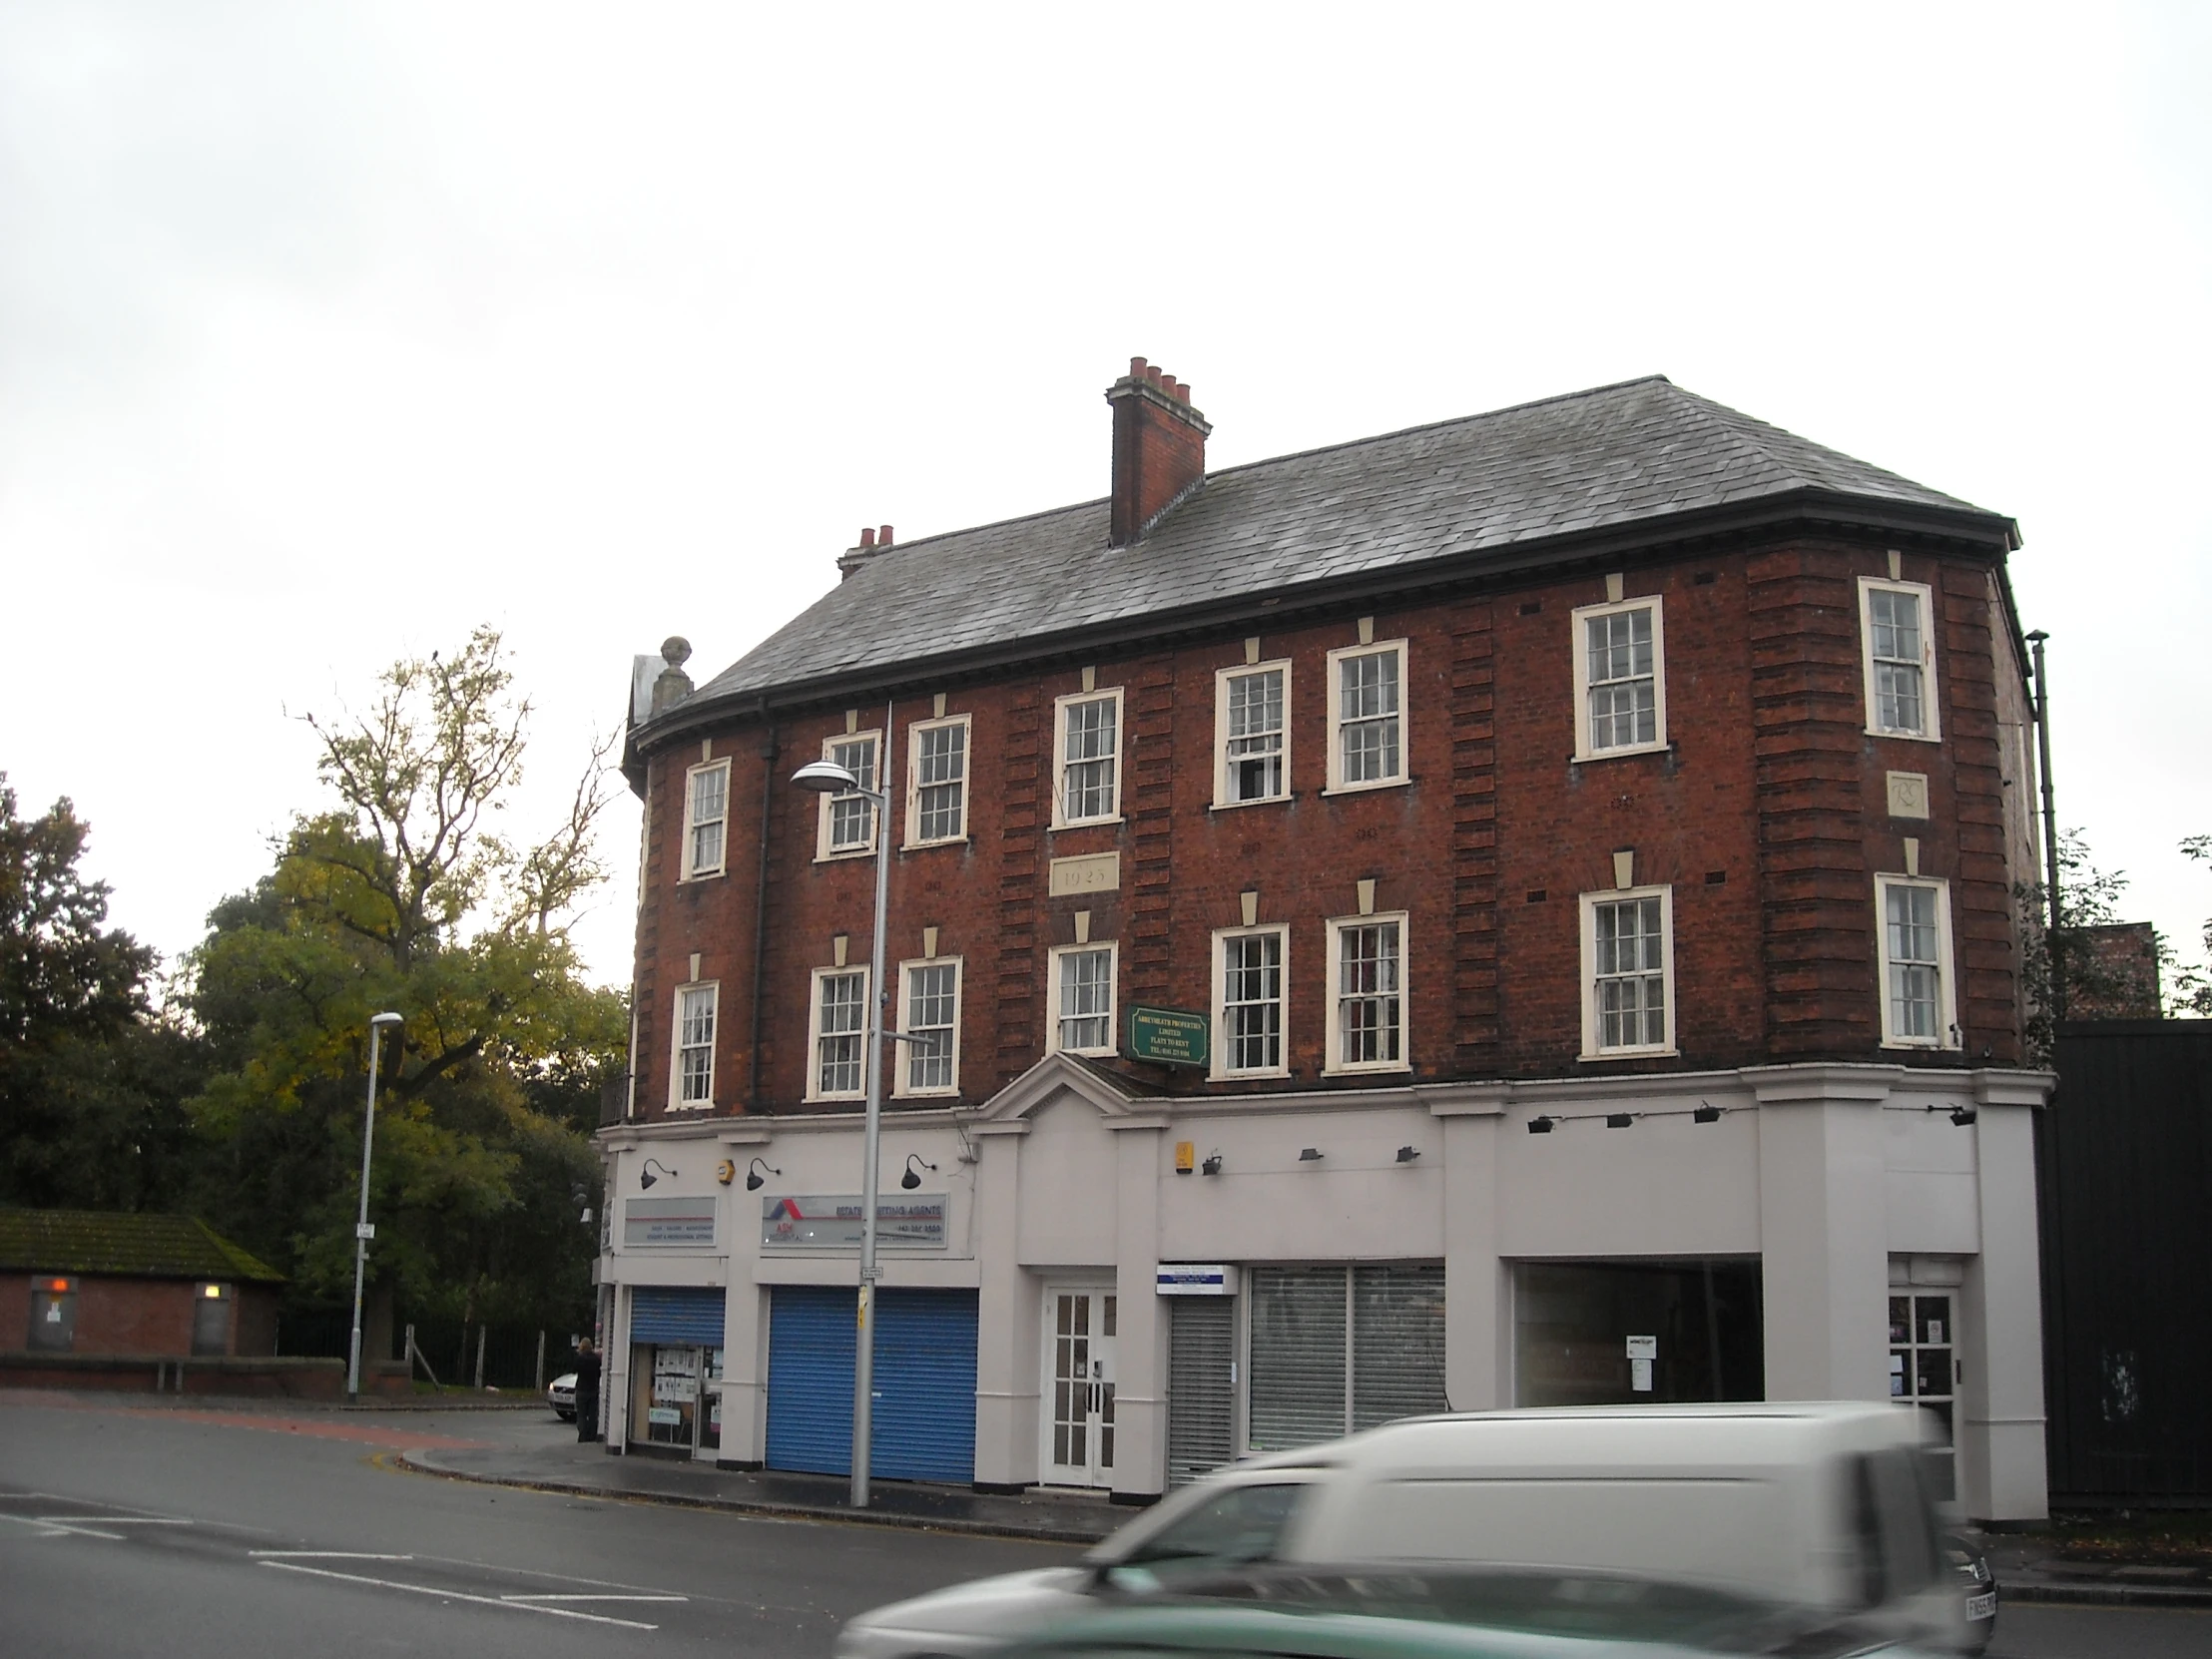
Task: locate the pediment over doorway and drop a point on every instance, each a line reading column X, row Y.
column 1116, row 1098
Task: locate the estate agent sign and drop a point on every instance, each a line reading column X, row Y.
column 812, row 1221
column 1167, row 1036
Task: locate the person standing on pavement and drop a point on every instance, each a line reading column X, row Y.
column 587, row 1391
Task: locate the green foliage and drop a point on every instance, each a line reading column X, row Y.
column 84, row 1111
column 2192, row 990
column 2063, row 977
column 400, row 896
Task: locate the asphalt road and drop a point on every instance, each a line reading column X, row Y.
column 238, row 1535
column 134, row 1529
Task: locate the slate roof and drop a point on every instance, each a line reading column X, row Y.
column 1486, row 492
column 124, row 1245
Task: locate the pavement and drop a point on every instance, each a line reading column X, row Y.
column 588, row 1471
column 2033, row 1566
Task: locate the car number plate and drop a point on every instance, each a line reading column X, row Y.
column 1982, row 1607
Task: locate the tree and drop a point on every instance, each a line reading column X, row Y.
column 2192, row 990
column 79, row 1090
column 2063, row 971
column 403, row 894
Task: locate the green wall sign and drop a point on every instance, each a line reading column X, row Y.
column 1168, row 1036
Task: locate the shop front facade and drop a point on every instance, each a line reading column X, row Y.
column 1092, row 1287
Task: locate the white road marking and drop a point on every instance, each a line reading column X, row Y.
column 459, row 1595
column 326, row 1556
column 53, row 1529
column 112, row 1520
column 594, row 1599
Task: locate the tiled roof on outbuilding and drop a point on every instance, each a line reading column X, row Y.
column 1480, row 494
column 124, row 1245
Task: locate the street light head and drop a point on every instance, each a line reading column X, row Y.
column 826, row 777
column 387, row 1020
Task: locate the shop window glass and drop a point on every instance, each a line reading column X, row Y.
column 1698, row 1323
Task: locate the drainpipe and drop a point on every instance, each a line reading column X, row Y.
column 769, row 749
column 2051, row 828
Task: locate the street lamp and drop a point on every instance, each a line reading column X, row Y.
column 362, row 1232
column 828, row 778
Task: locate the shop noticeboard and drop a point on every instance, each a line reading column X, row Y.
column 668, row 1221
column 1167, row 1036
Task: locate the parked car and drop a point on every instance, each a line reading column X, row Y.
column 1977, row 1587
column 1827, row 1509
column 560, row 1394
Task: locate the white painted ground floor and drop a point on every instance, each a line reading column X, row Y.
column 1089, row 1286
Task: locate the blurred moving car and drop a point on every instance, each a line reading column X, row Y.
column 560, row 1394
column 1367, row 1613
column 1229, row 1631
column 1826, row 1508
column 1978, row 1588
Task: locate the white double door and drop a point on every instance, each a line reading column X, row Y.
column 1078, row 1416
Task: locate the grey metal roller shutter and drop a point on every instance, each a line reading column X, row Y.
column 1298, row 1356
column 1202, row 1390
column 1398, row 1343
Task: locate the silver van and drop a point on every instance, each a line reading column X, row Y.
column 1824, row 1508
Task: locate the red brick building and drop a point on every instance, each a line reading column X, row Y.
column 1616, row 757
column 91, row 1283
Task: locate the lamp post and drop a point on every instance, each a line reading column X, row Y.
column 362, row 1232
column 828, row 778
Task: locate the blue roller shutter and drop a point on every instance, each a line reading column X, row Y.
column 810, row 1379
column 925, row 1386
column 671, row 1313
column 924, row 1383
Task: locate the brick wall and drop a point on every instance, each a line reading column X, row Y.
column 1768, row 815
column 151, row 1316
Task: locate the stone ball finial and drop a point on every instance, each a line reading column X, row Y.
column 676, row 651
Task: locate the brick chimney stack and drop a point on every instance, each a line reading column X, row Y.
column 1159, row 449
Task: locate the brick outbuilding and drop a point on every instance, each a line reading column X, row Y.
column 1518, row 911
column 89, row 1282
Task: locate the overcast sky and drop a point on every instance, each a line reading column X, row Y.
column 328, row 331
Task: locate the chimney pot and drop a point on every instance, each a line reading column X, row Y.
column 1167, row 384
column 1151, row 374
column 868, row 536
column 884, row 536
column 1136, row 368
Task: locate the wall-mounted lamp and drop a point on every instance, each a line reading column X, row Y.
column 1706, row 1113
column 1962, row 1115
column 1619, row 1120
column 1312, row 1154
column 646, row 1177
column 1541, row 1125
column 1211, row 1165
column 754, row 1176
column 1406, row 1154
column 912, row 1178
